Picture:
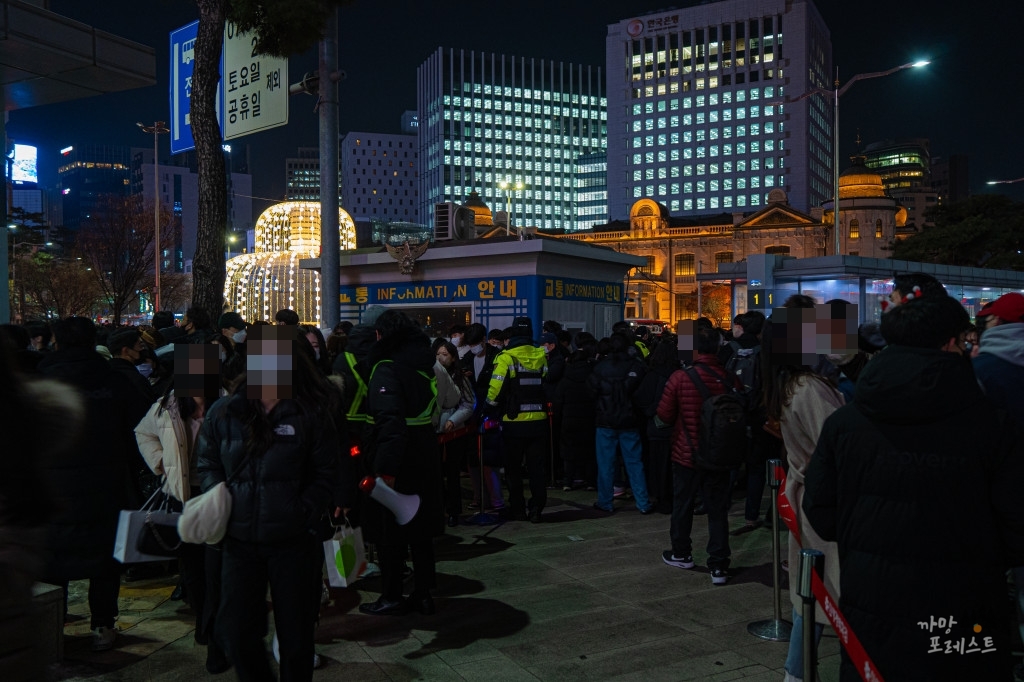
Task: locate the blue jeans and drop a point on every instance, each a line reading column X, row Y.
column 628, row 440
column 795, row 659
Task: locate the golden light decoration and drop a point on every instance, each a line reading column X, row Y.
column 259, row 284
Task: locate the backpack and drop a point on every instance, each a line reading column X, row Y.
column 743, row 364
column 722, row 435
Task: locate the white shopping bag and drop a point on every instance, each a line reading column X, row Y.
column 345, row 555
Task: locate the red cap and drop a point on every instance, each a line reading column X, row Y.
column 1008, row 307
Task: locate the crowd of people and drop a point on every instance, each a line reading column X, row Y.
column 901, row 442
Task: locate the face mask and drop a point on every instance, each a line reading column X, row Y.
column 316, row 353
column 145, row 369
column 477, row 349
column 223, row 355
column 239, row 336
column 456, row 339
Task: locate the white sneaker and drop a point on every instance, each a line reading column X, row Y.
column 277, row 654
column 103, row 638
column 372, row 569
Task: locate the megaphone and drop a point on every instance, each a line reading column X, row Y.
column 404, row 507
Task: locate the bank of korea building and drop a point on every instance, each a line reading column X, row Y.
column 696, row 119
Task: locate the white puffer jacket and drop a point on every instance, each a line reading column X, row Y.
column 165, row 440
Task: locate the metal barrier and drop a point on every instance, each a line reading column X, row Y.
column 774, row 629
column 811, row 561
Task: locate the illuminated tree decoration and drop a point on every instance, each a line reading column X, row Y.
column 261, row 283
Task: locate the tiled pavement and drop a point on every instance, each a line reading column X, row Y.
column 582, row 596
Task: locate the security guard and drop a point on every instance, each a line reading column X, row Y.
column 516, row 395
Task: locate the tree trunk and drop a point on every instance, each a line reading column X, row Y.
column 208, row 262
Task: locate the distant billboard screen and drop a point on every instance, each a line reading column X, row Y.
column 25, row 168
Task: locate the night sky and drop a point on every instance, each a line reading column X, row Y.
column 968, row 101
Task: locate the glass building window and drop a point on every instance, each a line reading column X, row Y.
column 854, row 228
column 685, row 266
column 878, row 229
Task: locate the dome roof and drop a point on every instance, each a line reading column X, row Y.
column 859, row 181
column 482, row 214
column 295, row 226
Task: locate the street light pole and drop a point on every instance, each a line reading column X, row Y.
column 509, row 187
column 156, row 129
column 835, row 93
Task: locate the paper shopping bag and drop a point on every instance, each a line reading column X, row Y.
column 130, row 527
column 345, row 555
column 131, row 531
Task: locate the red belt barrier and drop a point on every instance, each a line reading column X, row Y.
column 448, row 436
column 854, row 649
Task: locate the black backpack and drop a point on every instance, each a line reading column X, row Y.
column 743, row 365
column 723, row 434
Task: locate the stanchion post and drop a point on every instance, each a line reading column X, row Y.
column 811, row 560
column 551, row 440
column 481, row 517
column 776, row 629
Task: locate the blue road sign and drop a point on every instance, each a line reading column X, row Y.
column 183, row 42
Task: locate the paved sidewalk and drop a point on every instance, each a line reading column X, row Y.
column 582, row 596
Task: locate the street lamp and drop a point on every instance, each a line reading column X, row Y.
column 509, row 187
column 228, row 241
column 836, row 93
column 156, row 130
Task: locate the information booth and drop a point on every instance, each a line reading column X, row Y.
column 491, row 281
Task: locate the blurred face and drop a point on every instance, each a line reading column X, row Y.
column 269, row 363
column 686, row 344
column 196, row 369
column 444, row 357
column 800, row 335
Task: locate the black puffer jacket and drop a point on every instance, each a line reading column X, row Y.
column 400, row 390
column 919, row 481
column 278, row 495
column 92, row 482
column 647, row 397
column 573, row 399
column 614, row 380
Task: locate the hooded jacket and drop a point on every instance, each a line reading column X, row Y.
column 918, row 481
column 999, row 366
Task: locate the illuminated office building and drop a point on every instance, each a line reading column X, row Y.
column 695, row 114
column 905, row 169
column 86, row 175
column 302, row 175
column 591, row 182
column 378, row 177
column 487, row 118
